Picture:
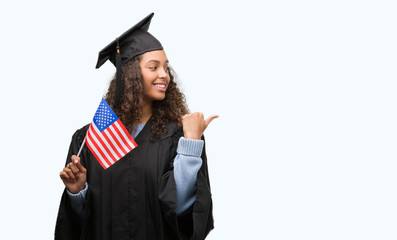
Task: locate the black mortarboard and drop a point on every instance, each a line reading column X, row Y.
column 135, row 41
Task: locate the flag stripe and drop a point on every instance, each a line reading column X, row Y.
column 104, row 142
column 96, row 153
column 114, row 143
column 117, row 134
column 116, row 139
column 120, row 124
column 120, row 137
column 100, row 149
column 105, row 152
column 125, row 134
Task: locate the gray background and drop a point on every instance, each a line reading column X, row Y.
column 305, row 146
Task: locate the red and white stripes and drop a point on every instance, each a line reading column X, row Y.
column 111, row 144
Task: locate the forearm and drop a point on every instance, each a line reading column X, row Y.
column 186, row 165
column 78, row 201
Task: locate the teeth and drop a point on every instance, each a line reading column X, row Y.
column 160, row 85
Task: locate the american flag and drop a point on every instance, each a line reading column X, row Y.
column 107, row 137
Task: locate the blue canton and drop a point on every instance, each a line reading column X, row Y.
column 104, row 116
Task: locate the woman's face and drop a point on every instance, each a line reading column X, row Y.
column 154, row 67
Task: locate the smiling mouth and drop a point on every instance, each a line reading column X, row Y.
column 160, row 86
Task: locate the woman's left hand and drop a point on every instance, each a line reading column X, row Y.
column 194, row 124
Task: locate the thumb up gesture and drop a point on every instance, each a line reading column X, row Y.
column 194, row 124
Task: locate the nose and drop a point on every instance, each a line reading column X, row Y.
column 163, row 73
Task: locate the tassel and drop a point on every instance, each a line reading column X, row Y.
column 118, row 76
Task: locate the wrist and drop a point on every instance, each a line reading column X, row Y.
column 192, row 136
column 190, row 147
column 77, row 189
column 79, row 194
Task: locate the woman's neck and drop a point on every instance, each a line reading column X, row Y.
column 147, row 110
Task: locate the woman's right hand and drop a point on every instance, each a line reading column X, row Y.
column 74, row 175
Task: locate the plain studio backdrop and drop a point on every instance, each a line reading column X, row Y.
column 305, row 146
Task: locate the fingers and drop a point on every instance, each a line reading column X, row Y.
column 76, row 166
column 80, row 167
column 74, row 175
column 72, row 170
column 75, row 159
column 73, row 167
column 194, row 125
column 64, row 176
column 198, row 118
column 67, row 174
column 209, row 119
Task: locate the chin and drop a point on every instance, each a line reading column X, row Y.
column 159, row 98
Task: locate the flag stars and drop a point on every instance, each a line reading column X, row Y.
column 104, row 116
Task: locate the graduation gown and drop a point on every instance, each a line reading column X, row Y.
column 135, row 197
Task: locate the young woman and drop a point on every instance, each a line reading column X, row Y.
column 159, row 190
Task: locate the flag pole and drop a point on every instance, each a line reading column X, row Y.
column 81, row 147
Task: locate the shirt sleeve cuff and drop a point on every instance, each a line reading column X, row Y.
column 80, row 194
column 191, row 147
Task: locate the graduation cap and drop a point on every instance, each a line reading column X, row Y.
column 134, row 42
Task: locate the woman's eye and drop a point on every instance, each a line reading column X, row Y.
column 167, row 69
column 153, row 68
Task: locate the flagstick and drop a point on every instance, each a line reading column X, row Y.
column 81, row 148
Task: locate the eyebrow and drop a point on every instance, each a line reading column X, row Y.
column 156, row 61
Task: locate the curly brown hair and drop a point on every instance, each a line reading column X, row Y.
column 171, row 108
